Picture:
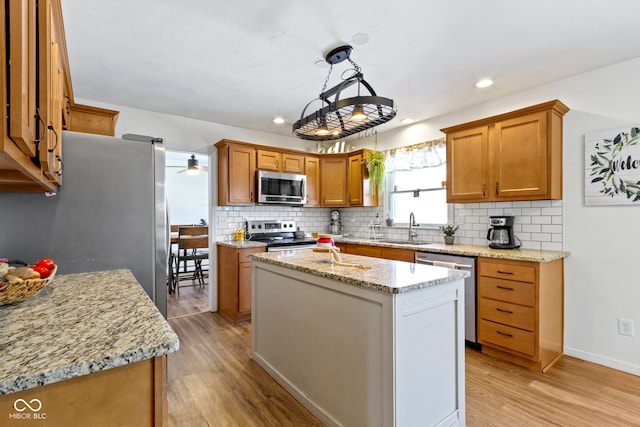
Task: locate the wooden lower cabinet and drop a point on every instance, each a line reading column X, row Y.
column 520, row 311
column 396, row 254
column 129, row 395
column 234, row 281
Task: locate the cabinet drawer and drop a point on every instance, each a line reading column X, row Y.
column 507, row 290
column 506, row 336
column 244, row 255
column 509, row 314
column 521, row 273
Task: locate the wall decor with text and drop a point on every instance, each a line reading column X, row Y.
column 612, row 167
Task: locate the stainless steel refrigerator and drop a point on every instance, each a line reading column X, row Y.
column 110, row 212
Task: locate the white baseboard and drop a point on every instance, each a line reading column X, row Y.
column 601, row 360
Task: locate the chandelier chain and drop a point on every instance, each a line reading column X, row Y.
column 355, row 66
column 326, row 80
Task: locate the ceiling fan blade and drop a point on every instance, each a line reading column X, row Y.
column 180, row 171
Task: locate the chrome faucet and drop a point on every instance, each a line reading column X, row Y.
column 412, row 222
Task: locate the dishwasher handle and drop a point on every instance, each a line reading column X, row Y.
column 421, row 260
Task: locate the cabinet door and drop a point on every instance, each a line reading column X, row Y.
column 372, row 251
column 399, row 254
column 312, row 171
column 244, row 287
column 293, row 163
column 333, row 172
column 242, row 168
column 22, row 74
column 520, row 156
column 355, row 181
column 51, row 100
column 467, row 157
column 269, row 160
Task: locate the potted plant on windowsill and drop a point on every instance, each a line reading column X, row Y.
column 449, row 231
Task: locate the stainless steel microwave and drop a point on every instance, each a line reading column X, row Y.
column 281, row 188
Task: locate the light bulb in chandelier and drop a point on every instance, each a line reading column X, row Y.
column 358, row 114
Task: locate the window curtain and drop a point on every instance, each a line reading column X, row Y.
column 428, row 154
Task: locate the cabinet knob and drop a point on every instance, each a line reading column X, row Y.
column 484, row 190
column 496, row 188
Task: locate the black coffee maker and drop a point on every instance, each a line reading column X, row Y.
column 500, row 234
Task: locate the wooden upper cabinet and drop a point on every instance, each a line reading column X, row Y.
column 36, row 85
column 269, row 160
column 89, row 119
column 358, row 182
column 293, row 163
column 280, row 162
column 521, row 157
column 312, row 171
column 467, row 158
column 22, row 74
column 333, row 175
column 510, row 157
column 236, row 173
column 52, row 92
column 355, row 180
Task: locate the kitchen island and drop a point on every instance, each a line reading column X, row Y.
column 379, row 346
column 89, row 349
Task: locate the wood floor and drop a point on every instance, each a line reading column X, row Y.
column 214, row 382
column 192, row 300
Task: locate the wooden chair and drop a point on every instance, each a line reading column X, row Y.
column 193, row 251
column 173, row 244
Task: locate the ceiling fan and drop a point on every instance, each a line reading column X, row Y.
column 192, row 166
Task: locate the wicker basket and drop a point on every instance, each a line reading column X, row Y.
column 10, row 293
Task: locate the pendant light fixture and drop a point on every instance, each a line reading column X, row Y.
column 338, row 118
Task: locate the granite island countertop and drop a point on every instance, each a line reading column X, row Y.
column 79, row 324
column 385, row 275
column 465, row 250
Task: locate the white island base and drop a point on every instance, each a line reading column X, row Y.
column 356, row 356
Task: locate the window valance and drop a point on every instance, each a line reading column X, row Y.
column 428, row 154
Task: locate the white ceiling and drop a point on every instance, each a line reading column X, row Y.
column 241, row 63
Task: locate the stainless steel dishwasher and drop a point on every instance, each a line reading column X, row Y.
column 462, row 263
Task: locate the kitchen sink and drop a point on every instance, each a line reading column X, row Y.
column 403, row 242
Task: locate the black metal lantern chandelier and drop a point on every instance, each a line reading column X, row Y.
column 339, row 118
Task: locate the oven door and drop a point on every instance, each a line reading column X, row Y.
column 290, row 247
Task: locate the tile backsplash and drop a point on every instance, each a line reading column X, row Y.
column 538, row 224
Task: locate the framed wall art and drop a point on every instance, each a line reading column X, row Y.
column 612, row 167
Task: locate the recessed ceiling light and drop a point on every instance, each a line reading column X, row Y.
column 360, row 39
column 407, row 121
column 484, row 83
column 278, row 120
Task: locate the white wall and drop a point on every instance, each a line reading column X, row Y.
column 601, row 281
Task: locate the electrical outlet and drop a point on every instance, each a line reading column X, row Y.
column 625, row 327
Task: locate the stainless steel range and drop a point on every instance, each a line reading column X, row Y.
column 279, row 235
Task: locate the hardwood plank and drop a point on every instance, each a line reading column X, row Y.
column 192, row 300
column 214, row 382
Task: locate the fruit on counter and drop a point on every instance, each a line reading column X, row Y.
column 46, row 263
column 43, row 271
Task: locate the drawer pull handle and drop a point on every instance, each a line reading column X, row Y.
column 505, row 272
column 506, row 335
column 504, row 287
column 504, row 311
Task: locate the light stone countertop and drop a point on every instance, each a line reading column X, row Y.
column 466, row 250
column 385, row 275
column 79, row 324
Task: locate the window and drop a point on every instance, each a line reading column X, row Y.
column 414, row 178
